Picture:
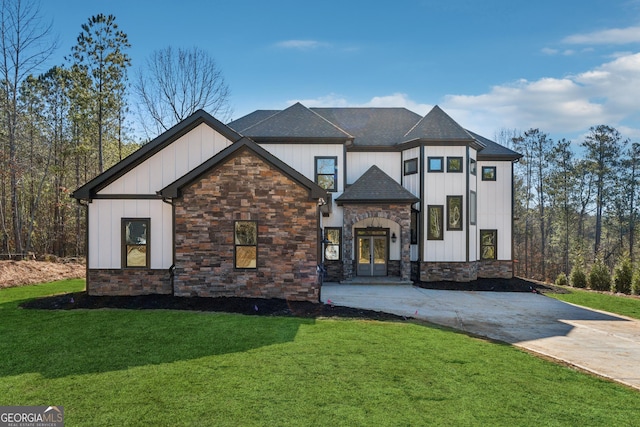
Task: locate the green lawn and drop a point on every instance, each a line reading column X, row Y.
column 170, row 368
column 627, row 306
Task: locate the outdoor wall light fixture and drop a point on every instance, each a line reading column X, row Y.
column 394, row 237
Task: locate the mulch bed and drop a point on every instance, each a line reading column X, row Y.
column 267, row 307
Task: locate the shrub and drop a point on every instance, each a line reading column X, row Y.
column 599, row 276
column 622, row 276
column 562, row 280
column 635, row 283
column 577, row 277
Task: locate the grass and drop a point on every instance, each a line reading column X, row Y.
column 625, row 306
column 171, row 368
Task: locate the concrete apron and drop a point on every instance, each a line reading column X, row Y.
column 605, row 344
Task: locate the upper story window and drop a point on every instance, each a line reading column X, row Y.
column 327, row 173
column 435, row 164
column 411, row 166
column 135, row 243
column 488, row 173
column 454, row 164
column 472, row 166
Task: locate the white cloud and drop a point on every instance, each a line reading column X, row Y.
column 393, row 100
column 610, row 36
column 607, row 94
column 301, row 44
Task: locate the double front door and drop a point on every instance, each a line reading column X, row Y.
column 372, row 247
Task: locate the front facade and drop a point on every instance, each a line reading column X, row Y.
column 252, row 208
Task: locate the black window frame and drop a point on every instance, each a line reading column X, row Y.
column 472, row 166
column 410, row 166
column 237, row 245
column 430, row 169
column 333, row 244
column 489, row 168
column 459, row 159
column 334, row 174
column 494, row 245
column 451, row 201
column 473, row 207
column 430, row 234
column 125, row 245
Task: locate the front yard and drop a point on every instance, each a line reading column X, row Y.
column 173, row 368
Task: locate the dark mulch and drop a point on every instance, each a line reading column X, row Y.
column 248, row 306
column 516, row 284
column 268, row 307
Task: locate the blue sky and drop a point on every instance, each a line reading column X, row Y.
column 561, row 66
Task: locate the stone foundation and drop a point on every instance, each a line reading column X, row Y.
column 495, row 269
column 448, row 271
column 334, row 271
column 394, row 268
column 116, row 282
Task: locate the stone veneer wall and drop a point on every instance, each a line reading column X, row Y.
column 246, row 188
column 334, row 271
column 448, row 271
column 495, row 269
column 399, row 213
column 128, row 282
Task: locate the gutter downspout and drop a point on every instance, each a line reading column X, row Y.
column 172, row 268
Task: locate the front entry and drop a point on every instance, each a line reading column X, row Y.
column 372, row 248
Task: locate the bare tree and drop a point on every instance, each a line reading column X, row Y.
column 26, row 43
column 175, row 84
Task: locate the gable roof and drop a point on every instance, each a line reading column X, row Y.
column 89, row 190
column 375, row 186
column 174, row 189
column 438, row 126
column 494, row 151
column 296, row 122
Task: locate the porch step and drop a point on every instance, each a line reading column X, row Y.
column 386, row 280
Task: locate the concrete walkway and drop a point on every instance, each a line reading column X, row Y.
column 605, row 344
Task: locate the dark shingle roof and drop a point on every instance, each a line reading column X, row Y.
column 251, row 119
column 375, row 186
column 493, row 150
column 371, row 126
column 297, row 122
column 438, row 126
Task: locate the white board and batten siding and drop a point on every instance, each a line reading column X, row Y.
column 495, row 204
column 412, row 182
column 172, row 162
column 152, row 175
column 360, row 161
column 439, row 185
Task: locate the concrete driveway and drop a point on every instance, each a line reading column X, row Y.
column 603, row 343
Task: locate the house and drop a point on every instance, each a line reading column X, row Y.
column 253, row 207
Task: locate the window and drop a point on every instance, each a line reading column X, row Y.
column 135, row 243
column 454, row 164
column 473, row 208
column 327, row 173
column 415, row 220
column 472, row 166
column 411, row 166
column 488, row 173
column 488, row 244
column 246, row 244
column 454, row 212
column 332, row 250
column 434, row 230
column 436, row 164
